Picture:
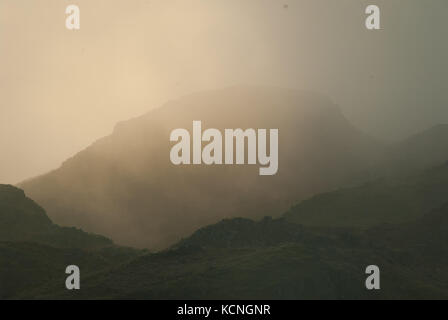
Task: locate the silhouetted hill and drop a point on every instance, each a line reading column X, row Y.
column 420, row 151
column 274, row 259
column 22, row 220
column 426, row 237
column 245, row 259
column 240, row 232
column 388, row 200
column 27, row 268
column 126, row 181
column 35, row 252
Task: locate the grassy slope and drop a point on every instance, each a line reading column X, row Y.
column 269, row 259
column 35, row 252
column 391, row 200
column 232, row 260
column 277, row 259
column 21, row 219
column 25, row 266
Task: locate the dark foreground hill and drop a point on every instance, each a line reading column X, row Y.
column 126, row 181
column 242, row 259
column 22, row 220
column 35, row 252
column 281, row 259
column 274, row 259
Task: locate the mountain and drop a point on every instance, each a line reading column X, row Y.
column 126, row 181
column 395, row 199
column 426, row 237
column 22, row 220
column 34, row 251
column 420, row 151
column 239, row 258
column 275, row 259
column 28, row 267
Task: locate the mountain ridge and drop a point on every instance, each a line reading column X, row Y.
column 126, row 180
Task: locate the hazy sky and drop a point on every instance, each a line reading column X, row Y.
column 60, row 90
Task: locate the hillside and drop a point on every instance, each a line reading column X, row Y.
column 426, row 238
column 274, row 259
column 28, row 267
column 420, row 151
column 126, row 181
column 34, row 251
column 22, row 220
column 242, row 259
column 387, row 200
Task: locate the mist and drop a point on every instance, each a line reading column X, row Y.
column 61, row 90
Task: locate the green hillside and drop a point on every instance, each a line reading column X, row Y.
column 387, row 200
column 420, row 151
column 35, row 252
column 405, row 229
column 21, row 219
column 274, row 259
column 246, row 259
column 27, row 266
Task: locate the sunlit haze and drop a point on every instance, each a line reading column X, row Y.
column 61, row 90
